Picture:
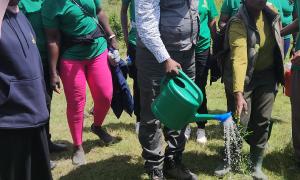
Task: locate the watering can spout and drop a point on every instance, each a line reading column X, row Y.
column 220, row 117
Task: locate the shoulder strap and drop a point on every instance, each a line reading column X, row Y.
column 90, row 15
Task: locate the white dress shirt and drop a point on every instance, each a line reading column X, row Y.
column 147, row 14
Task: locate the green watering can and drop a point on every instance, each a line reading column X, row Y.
column 178, row 102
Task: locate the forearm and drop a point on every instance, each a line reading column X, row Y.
column 53, row 44
column 53, row 50
column 213, row 29
column 103, row 20
column 290, row 29
column 238, row 54
column 124, row 23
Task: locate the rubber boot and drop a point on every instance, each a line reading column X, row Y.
column 256, row 159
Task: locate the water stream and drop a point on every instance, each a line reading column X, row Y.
column 233, row 144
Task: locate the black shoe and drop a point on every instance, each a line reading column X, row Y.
column 178, row 171
column 52, row 164
column 103, row 135
column 57, row 147
column 156, row 174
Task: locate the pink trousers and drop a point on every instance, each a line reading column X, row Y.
column 74, row 75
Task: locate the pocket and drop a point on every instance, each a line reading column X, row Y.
column 28, row 97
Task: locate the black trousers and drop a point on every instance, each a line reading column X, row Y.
column 260, row 99
column 133, row 74
column 201, row 60
column 150, row 74
column 24, row 154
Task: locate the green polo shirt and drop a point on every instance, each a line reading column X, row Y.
column 207, row 12
column 72, row 21
column 277, row 5
column 132, row 33
column 230, row 7
column 287, row 10
column 32, row 10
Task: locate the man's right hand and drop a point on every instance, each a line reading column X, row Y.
column 172, row 67
column 240, row 104
column 55, row 83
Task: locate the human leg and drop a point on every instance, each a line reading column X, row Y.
column 73, row 77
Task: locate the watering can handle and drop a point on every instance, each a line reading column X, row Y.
column 185, row 77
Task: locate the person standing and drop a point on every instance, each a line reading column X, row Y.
column 231, row 7
column 252, row 71
column 24, row 151
column 130, row 40
column 32, row 10
column 288, row 14
column 208, row 12
column 295, row 85
column 78, row 54
column 167, row 35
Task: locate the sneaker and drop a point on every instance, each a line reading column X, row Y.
column 201, row 138
column 187, row 132
column 156, row 174
column 137, row 127
column 103, row 135
column 78, row 157
column 178, row 171
column 57, row 147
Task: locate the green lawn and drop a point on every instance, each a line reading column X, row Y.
column 123, row 160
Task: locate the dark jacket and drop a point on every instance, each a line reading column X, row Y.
column 22, row 88
column 122, row 98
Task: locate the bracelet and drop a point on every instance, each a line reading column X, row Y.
column 111, row 36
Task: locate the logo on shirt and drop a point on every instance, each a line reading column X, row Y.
column 33, row 39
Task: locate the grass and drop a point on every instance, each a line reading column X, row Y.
column 123, row 160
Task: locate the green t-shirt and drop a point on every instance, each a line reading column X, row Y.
column 230, row 7
column 207, row 11
column 287, row 10
column 32, row 10
column 277, row 5
column 72, row 21
column 132, row 33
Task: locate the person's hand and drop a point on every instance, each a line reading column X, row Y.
column 296, row 58
column 172, row 67
column 55, row 83
column 113, row 57
column 240, row 103
column 114, row 43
